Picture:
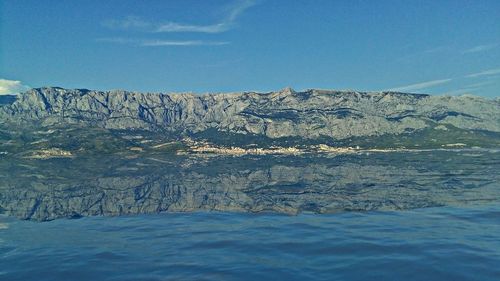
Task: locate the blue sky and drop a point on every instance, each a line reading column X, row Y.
column 437, row 47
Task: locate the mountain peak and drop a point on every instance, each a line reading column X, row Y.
column 287, row 90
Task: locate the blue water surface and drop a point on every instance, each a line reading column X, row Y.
column 441, row 243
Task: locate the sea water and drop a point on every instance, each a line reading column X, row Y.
column 442, row 243
column 421, row 216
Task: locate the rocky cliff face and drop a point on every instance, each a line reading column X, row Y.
column 309, row 114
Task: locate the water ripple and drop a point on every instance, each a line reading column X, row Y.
column 427, row 244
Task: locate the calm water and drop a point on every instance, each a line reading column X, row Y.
column 425, row 244
column 431, row 215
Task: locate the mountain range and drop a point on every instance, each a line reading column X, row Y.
column 285, row 117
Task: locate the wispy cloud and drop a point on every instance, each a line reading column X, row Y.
column 420, row 86
column 179, row 27
column 484, row 73
column 160, row 43
column 448, row 50
column 480, row 48
column 481, row 84
column 225, row 24
column 484, row 79
column 12, row 87
column 471, row 88
column 462, row 91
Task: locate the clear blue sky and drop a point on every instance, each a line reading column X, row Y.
column 432, row 47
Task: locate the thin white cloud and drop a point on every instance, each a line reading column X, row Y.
column 160, row 43
column 420, row 86
column 480, row 84
column 484, row 73
column 12, row 87
column 467, row 90
column 238, row 8
column 136, row 23
column 480, row 48
column 178, row 27
column 225, row 24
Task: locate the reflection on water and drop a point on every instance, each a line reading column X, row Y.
column 57, row 188
column 443, row 243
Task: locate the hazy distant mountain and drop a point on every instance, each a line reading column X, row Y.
column 312, row 115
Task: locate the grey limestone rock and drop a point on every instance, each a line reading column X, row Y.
column 308, row 114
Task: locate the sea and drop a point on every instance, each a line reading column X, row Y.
column 426, row 215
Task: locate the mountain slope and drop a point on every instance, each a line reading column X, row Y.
column 307, row 115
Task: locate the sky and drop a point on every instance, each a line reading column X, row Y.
column 437, row 47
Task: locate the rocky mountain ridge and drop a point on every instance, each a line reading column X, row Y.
column 308, row 114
